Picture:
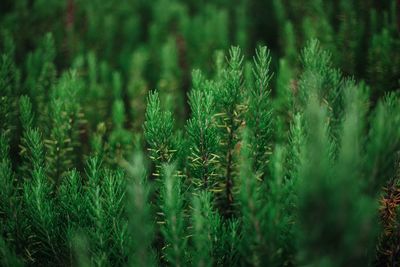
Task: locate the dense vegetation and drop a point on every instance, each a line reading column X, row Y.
column 199, row 133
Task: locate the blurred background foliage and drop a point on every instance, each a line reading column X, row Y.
column 157, row 43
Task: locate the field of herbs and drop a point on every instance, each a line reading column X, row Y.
column 199, row 133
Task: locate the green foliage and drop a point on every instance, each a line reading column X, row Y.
column 319, row 76
column 203, row 230
column 38, row 63
column 9, row 84
column 8, row 194
column 140, row 220
column 64, row 135
column 72, row 201
column 119, row 137
column 296, row 143
column 137, row 88
column 230, row 108
column 113, row 152
column 158, row 131
column 321, row 177
column 252, row 209
column 32, row 150
column 266, row 210
column 41, row 216
column 383, row 142
column 203, row 135
column 173, row 225
column 8, row 257
column 259, row 113
column 25, row 106
column 105, row 200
